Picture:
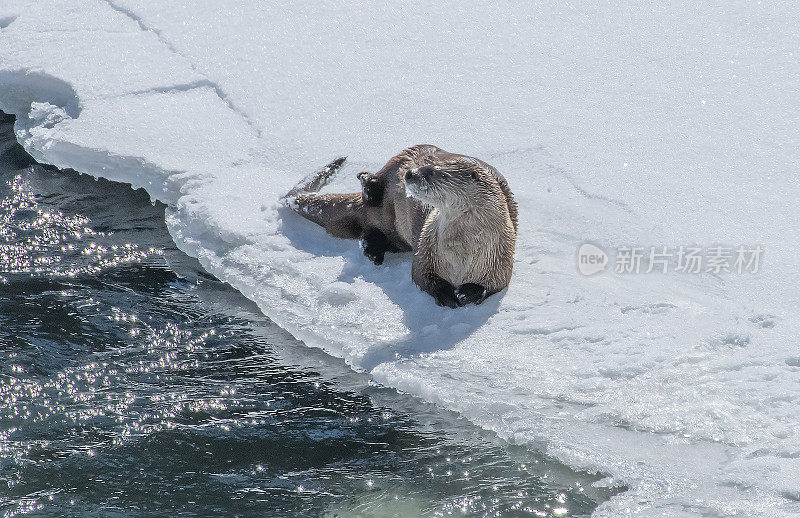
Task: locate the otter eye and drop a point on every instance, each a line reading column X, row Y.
column 427, row 171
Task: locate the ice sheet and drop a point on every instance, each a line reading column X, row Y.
column 622, row 125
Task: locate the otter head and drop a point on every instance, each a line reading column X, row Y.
column 442, row 187
column 372, row 188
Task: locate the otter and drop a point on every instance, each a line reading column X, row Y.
column 455, row 212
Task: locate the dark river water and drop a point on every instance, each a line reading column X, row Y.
column 134, row 384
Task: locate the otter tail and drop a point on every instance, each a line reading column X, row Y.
column 315, row 181
column 341, row 215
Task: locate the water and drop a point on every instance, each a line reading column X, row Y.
column 133, row 383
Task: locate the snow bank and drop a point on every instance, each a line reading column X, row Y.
column 640, row 125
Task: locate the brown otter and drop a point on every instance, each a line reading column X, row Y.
column 455, row 212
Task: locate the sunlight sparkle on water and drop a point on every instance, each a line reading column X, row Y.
column 40, row 242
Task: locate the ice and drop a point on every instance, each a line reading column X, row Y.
column 618, row 125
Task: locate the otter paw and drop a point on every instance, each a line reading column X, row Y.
column 471, row 293
column 371, row 189
column 375, row 245
column 445, row 294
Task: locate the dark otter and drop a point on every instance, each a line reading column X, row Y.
column 456, row 213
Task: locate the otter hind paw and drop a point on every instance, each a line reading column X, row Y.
column 375, row 245
column 371, row 189
column 471, row 293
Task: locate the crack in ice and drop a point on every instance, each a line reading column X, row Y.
column 220, row 92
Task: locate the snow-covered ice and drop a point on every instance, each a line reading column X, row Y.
column 647, row 124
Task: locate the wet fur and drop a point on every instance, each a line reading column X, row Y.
column 461, row 223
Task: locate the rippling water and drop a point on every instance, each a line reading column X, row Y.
column 133, row 383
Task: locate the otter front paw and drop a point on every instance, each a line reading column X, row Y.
column 445, row 294
column 375, row 245
column 371, row 189
column 471, row 293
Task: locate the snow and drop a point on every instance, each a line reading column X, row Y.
column 619, row 125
